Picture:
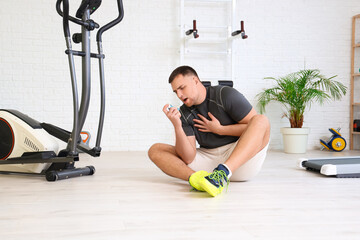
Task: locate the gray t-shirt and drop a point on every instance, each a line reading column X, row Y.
column 227, row 104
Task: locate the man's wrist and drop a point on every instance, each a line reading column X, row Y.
column 219, row 130
column 178, row 127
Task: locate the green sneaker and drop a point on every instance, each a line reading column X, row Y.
column 214, row 182
column 195, row 178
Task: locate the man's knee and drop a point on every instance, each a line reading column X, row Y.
column 262, row 124
column 158, row 149
column 261, row 121
column 154, row 150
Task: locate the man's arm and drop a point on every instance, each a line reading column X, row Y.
column 185, row 146
column 214, row 126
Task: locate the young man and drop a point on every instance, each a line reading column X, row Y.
column 233, row 138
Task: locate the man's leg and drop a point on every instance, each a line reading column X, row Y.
column 253, row 140
column 164, row 156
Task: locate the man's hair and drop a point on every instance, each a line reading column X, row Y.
column 184, row 71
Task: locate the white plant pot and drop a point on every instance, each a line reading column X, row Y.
column 295, row 139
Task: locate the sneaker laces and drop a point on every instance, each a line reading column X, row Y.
column 220, row 177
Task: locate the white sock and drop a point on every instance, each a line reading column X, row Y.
column 230, row 173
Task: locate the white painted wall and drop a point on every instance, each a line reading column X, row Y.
column 284, row 36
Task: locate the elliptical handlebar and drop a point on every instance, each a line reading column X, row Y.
column 80, row 111
column 66, row 17
column 112, row 23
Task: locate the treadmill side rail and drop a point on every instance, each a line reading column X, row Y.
column 348, row 168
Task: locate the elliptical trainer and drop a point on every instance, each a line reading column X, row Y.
column 25, row 144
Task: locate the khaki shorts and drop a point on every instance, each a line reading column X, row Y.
column 208, row 159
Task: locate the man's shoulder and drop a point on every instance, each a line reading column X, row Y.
column 219, row 92
column 218, row 89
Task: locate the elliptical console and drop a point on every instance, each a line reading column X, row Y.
column 28, row 146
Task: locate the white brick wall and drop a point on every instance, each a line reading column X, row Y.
column 143, row 50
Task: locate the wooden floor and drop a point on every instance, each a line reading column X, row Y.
column 129, row 198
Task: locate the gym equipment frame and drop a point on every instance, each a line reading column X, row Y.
column 25, row 143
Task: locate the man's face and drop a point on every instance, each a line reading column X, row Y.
column 185, row 89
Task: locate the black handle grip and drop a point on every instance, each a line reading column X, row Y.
column 112, row 23
column 190, row 31
column 58, row 9
column 65, row 15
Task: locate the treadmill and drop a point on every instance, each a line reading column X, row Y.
column 340, row 167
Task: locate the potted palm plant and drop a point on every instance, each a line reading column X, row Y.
column 296, row 92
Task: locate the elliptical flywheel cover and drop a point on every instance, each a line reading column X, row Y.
column 7, row 139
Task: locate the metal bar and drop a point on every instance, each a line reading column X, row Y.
column 22, row 173
column 86, row 74
column 352, row 79
column 36, row 160
column 72, row 141
column 188, row 51
column 112, row 23
column 82, row 54
column 102, row 92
